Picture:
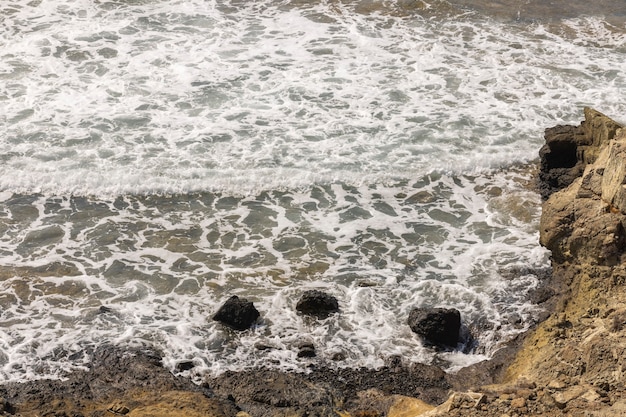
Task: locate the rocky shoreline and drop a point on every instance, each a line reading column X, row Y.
column 571, row 364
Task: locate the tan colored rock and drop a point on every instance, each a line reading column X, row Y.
column 585, row 221
column 457, row 400
column 567, row 395
column 617, row 409
column 556, row 384
column 614, row 173
column 583, row 225
column 118, row 408
column 600, row 129
column 517, row 403
column 408, row 407
column 178, row 404
column 590, row 396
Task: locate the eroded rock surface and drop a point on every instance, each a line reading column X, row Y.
column 578, row 354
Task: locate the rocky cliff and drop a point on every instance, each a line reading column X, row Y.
column 573, row 363
column 581, row 348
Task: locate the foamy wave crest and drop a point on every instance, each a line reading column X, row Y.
column 107, row 98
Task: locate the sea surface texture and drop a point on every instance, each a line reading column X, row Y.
column 158, row 157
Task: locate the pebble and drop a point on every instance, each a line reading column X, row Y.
column 519, row 402
column 118, row 408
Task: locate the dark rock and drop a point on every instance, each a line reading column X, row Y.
column 439, row 327
column 184, row 366
column 560, row 165
column 317, row 303
column 237, row 313
column 6, row 407
column 541, row 294
column 306, row 350
column 320, row 392
column 263, row 346
column 269, row 393
column 125, row 374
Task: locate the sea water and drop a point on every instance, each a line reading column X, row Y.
column 161, row 156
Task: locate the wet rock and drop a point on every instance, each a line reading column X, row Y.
column 236, row 313
column 184, row 366
column 267, row 393
column 122, row 380
column 306, row 350
column 329, row 392
column 263, row 346
column 317, row 303
column 105, row 309
column 439, row 327
column 559, row 162
column 5, row 406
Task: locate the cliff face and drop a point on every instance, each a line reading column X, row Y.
column 584, row 222
column 582, row 346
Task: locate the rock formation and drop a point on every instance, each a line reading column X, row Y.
column 317, row 303
column 584, row 223
column 580, row 351
column 236, row 313
column 117, row 381
column 439, row 327
column 569, row 149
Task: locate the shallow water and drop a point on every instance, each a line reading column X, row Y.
column 158, row 157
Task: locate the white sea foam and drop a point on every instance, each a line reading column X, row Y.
column 158, row 157
column 108, row 98
column 162, row 266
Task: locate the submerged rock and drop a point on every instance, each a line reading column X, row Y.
column 439, row 327
column 184, row 366
column 236, row 313
column 306, row 350
column 317, row 303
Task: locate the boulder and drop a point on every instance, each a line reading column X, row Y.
column 236, row 313
column 317, row 303
column 306, row 350
column 439, row 327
